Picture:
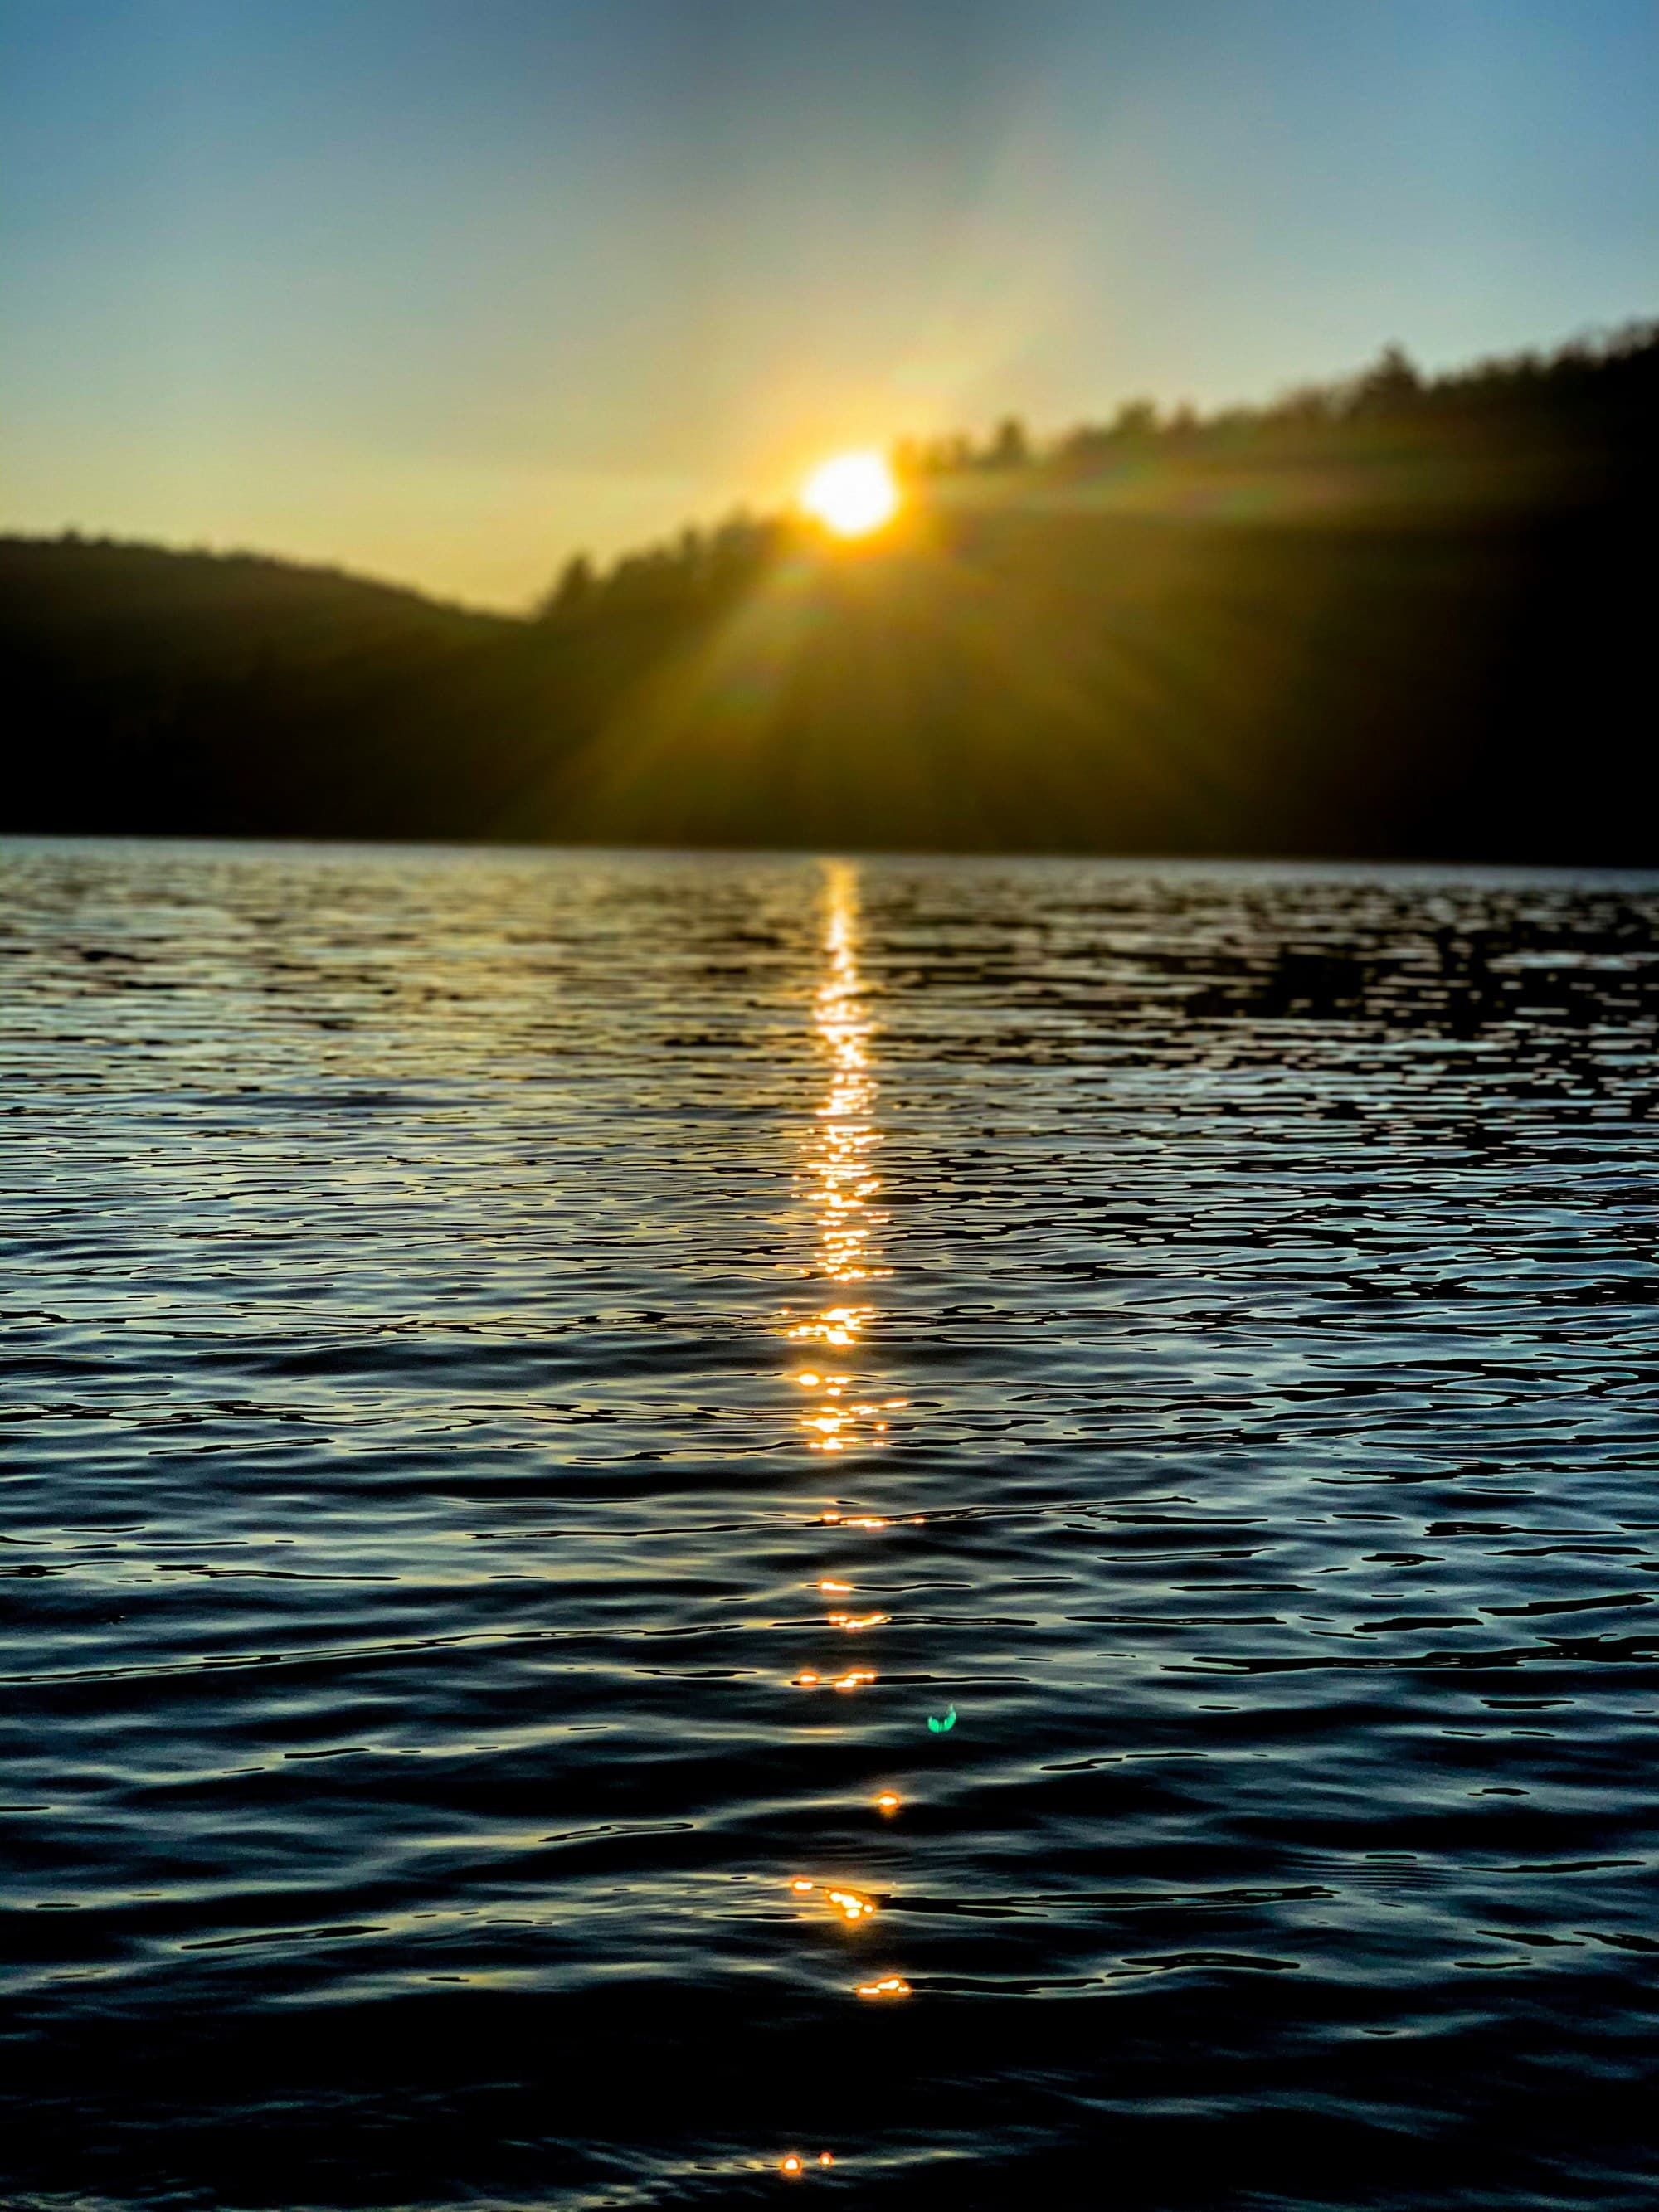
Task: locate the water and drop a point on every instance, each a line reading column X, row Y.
column 464, row 1311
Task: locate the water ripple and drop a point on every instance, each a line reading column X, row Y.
column 531, row 1378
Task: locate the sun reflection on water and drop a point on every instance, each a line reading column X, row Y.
column 843, row 1189
column 842, row 1408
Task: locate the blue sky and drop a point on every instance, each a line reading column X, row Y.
column 445, row 289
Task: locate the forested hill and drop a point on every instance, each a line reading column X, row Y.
column 1401, row 618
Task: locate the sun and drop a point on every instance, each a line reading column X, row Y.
column 852, row 495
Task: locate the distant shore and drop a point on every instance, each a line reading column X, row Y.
column 1410, row 622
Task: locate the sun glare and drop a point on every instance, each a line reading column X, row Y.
column 852, row 495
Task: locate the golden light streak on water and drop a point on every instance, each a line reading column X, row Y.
column 842, row 1410
column 843, row 1189
column 849, row 1903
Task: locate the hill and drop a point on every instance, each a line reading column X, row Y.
column 1401, row 618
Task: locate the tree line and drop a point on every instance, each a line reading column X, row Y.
column 1594, row 397
column 1426, row 660
column 1577, row 389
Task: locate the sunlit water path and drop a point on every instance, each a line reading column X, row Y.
column 668, row 1518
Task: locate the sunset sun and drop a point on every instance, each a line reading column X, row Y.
column 851, row 494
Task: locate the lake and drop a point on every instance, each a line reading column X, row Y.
column 992, row 1522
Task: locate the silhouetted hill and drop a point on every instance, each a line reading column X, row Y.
column 151, row 689
column 1411, row 618
column 1571, row 407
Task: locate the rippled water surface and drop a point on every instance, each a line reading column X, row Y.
column 537, row 1385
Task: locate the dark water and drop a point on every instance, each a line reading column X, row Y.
column 1230, row 1299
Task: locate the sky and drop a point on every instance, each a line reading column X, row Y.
column 446, row 290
